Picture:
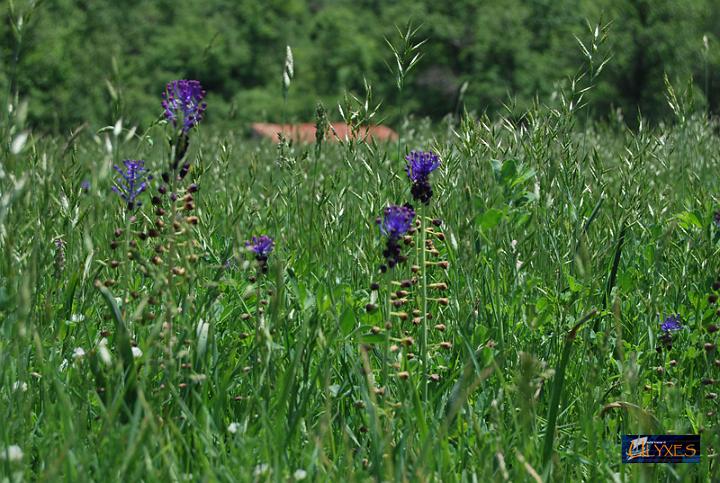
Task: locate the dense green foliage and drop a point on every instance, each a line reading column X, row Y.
column 558, row 237
column 96, row 61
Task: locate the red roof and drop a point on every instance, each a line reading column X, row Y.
column 305, row 132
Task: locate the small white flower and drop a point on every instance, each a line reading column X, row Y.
column 137, row 352
column 104, row 352
column 11, row 453
column 299, row 474
column 79, row 353
column 77, row 318
column 63, row 365
column 20, row 386
column 261, row 469
column 233, row 427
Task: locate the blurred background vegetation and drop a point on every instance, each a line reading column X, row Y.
column 98, row 60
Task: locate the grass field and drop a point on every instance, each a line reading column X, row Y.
column 148, row 344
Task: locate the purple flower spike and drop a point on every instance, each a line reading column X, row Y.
column 397, row 221
column 261, row 246
column 131, row 182
column 671, row 323
column 419, row 166
column 182, row 101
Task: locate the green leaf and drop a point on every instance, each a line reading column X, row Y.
column 372, row 338
column 347, row 321
column 490, row 219
column 688, row 219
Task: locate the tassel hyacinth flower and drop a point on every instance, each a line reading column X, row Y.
column 131, row 182
column 395, row 223
column 183, row 103
column 419, row 166
column 261, row 246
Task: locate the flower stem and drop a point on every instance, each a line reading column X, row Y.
column 386, row 317
column 423, row 271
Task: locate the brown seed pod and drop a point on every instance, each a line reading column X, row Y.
column 440, row 327
column 404, row 375
column 434, row 377
column 114, row 263
column 446, row 345
column 375, row 329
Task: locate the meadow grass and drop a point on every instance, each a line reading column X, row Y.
column 561, row 248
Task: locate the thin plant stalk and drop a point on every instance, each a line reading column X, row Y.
column 423, row 271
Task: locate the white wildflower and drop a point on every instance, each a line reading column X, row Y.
column 137, row 352
column 104, row 351
column 233, row 427
column 20, row 386
column 261, row 469
column 79, row 353
column 11, row 453
column 299, row 474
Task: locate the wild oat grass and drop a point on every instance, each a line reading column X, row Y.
column 518, row 338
